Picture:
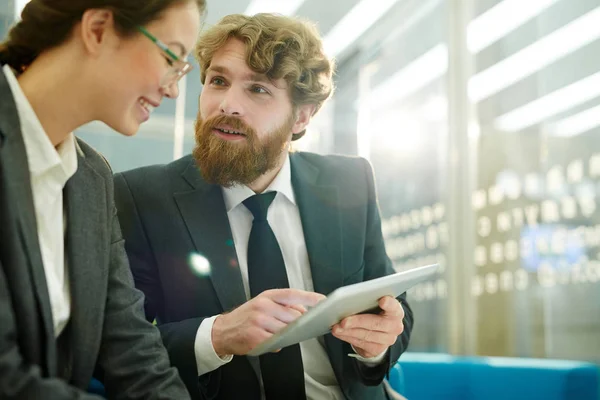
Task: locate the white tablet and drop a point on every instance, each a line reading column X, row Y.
column 341, row 303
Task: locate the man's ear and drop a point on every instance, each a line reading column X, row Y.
column 96, row 29
column 302, row 117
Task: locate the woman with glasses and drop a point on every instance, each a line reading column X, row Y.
column 67, row 303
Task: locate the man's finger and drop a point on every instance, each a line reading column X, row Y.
column 298, row 307
column 367, row 336
column 379, row 323
column 285, row 314
column 288, row 297
column 391, row 306
column 270, row 324
column 372, row 349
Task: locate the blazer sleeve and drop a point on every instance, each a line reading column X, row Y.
column 378, row 264
column 132, row 357
column 178, row 337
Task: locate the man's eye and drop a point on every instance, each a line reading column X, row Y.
column 169, row 61
column 259, row 89
column 217, row 81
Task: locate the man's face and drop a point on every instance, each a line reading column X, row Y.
column 245, row 121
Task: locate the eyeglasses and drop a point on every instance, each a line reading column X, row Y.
column 177, row 69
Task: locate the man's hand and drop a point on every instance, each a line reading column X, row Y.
column 370, row 334
column 258, row 319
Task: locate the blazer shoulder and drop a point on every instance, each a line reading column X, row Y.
column 94, row 158
column 157, row 175
column 334, row 162
column 339, row 169
column 173, row 167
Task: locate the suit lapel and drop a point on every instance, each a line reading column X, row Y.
column 14, row 158
column 321, row 223
column 86, row 255
column 205, row 216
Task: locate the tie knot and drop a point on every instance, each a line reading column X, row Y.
column 259, row 205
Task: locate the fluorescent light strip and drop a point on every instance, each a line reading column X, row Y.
column 285, row 7
column 578, row 123
column 550, row 104
column 424, row 70
column 354, row 24
column 535, row 57
column 501, row 19
column 425, row 10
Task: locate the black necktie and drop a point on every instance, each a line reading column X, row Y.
column 282, row 372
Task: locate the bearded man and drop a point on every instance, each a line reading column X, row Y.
column 234, row 242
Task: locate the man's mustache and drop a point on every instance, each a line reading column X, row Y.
column 230, row 122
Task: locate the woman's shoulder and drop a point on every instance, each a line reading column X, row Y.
column 93, row 157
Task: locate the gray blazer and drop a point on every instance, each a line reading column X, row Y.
column 107, row 327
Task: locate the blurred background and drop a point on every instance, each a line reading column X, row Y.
column 481, row 119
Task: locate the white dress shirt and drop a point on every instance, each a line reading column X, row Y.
column 49, row 168
column 284, row 218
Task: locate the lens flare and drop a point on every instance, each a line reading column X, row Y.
column 199, row 264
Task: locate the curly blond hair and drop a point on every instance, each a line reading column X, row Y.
column 278, row 47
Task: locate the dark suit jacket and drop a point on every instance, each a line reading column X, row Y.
column 168, row 213
column 107, row 325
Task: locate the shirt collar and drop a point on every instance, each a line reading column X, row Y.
column 41, row 154
column 282, row 183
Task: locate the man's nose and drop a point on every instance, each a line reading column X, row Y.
column 231, row 103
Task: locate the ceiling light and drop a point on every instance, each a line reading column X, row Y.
column 422, row 71
column 535, row 57
column 501, row 19
column 354, row 24
column 578, row 123
column 551, row 104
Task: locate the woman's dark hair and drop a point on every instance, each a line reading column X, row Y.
column 46, row 24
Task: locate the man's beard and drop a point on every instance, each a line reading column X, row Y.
column 227, row 163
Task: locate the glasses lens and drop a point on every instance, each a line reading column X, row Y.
column 176, row 73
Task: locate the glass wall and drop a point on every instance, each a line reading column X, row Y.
column 537, row 93
column 520, row 254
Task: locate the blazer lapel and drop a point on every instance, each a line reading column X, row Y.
column 205, row 216
column 86, row 254
column 14, row 158
column 322, row 225
column 321, row 222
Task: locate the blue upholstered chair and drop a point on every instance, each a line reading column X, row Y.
column 423, row 376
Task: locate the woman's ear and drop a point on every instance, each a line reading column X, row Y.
column 96, row 30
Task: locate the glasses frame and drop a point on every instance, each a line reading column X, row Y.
column 180, row 70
